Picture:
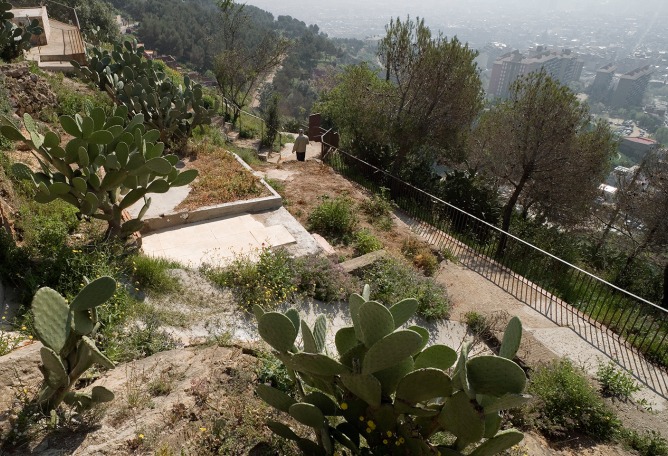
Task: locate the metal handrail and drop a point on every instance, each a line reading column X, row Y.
column 589, row 305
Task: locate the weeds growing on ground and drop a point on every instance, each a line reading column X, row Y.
column 648, row 443
column 276, row 184
column 565, row 402
column 8, row 342
column 276, row 277
column 393, row 279
column 318, row 277
column 379, row 209
column 421, row 255
column 271, row 371
column 267, row 282
column 152, row 274
column 364, row 242
column 615, row 382
column 335, row 218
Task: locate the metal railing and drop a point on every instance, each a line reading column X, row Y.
column 627, row 328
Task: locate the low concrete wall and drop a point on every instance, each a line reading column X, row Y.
column 213, row 212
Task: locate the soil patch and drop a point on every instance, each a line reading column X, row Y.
column 305, row 185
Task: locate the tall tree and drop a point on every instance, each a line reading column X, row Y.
column 248, row 56
column 644, row 206
column 433, row 95
column 542, row 145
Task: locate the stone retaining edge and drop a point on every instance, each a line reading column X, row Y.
column 275, row 201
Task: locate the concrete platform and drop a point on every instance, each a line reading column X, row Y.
column 217, row 242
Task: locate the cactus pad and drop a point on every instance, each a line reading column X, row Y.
column 432, row 383
column 495, row 376
column 325, row 403
column 51, row 318
column 277, row 330
column 390, row 350
column 320, row 332
column 308, row 339
column 366, row 387
column 437, row 356
column 101, row 394
column 282, row 430
column 376, row 322
column 317, row 364
column 56, row 373
column 307, row 414
column 498, row 444
column 389, row 378
column 404, row 311
column 512, row 338
column 461, row 419
column 277, row 399
column 345, row 339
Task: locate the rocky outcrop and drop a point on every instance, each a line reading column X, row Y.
column 27, row 92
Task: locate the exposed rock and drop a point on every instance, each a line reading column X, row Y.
column 18, row 369
column 28, row 92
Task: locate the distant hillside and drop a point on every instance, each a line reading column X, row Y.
column 190, row 31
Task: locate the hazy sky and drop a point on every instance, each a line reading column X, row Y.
column 438, row 12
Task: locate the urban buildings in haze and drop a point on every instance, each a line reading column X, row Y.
column 564, row 66
column 631, row 87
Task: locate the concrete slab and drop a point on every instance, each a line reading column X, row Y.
column 305, row 244
column 218, row 241
column 276, row 235
column 323, row 244
column 280, row 174
column 161, row 203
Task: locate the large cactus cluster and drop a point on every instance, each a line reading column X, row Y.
column 388, row 392
column 111, row 163
column 67, row 332
column 14, row 40
column 144, row 88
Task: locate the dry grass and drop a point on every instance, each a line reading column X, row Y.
column 221, row 179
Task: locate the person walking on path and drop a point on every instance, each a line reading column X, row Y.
column 300, row 145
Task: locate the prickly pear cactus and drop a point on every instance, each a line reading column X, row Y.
column 14, row 40
column 387, row 389
column 67, row 331
column 144, row 88
column 110, row 164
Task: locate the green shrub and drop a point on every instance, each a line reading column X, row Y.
column 141, row 338
column 565, row 402
column 247, row 133
column 268, row 281
column 276, row 184
column 379, row 209
column 364, row 242
column 648, row 443
column 378, row 205
column 8, row 342
column 478, row 324
column 152, row 274
column 393, row 279
column 320, row 278
column 246, row 154
column 5, row 109
column 334, row 217
column 72, row 100
column 421, row 255
column 615, row 382
column 272, row 372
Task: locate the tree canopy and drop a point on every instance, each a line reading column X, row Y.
column 542, row 145
column 429, row 97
